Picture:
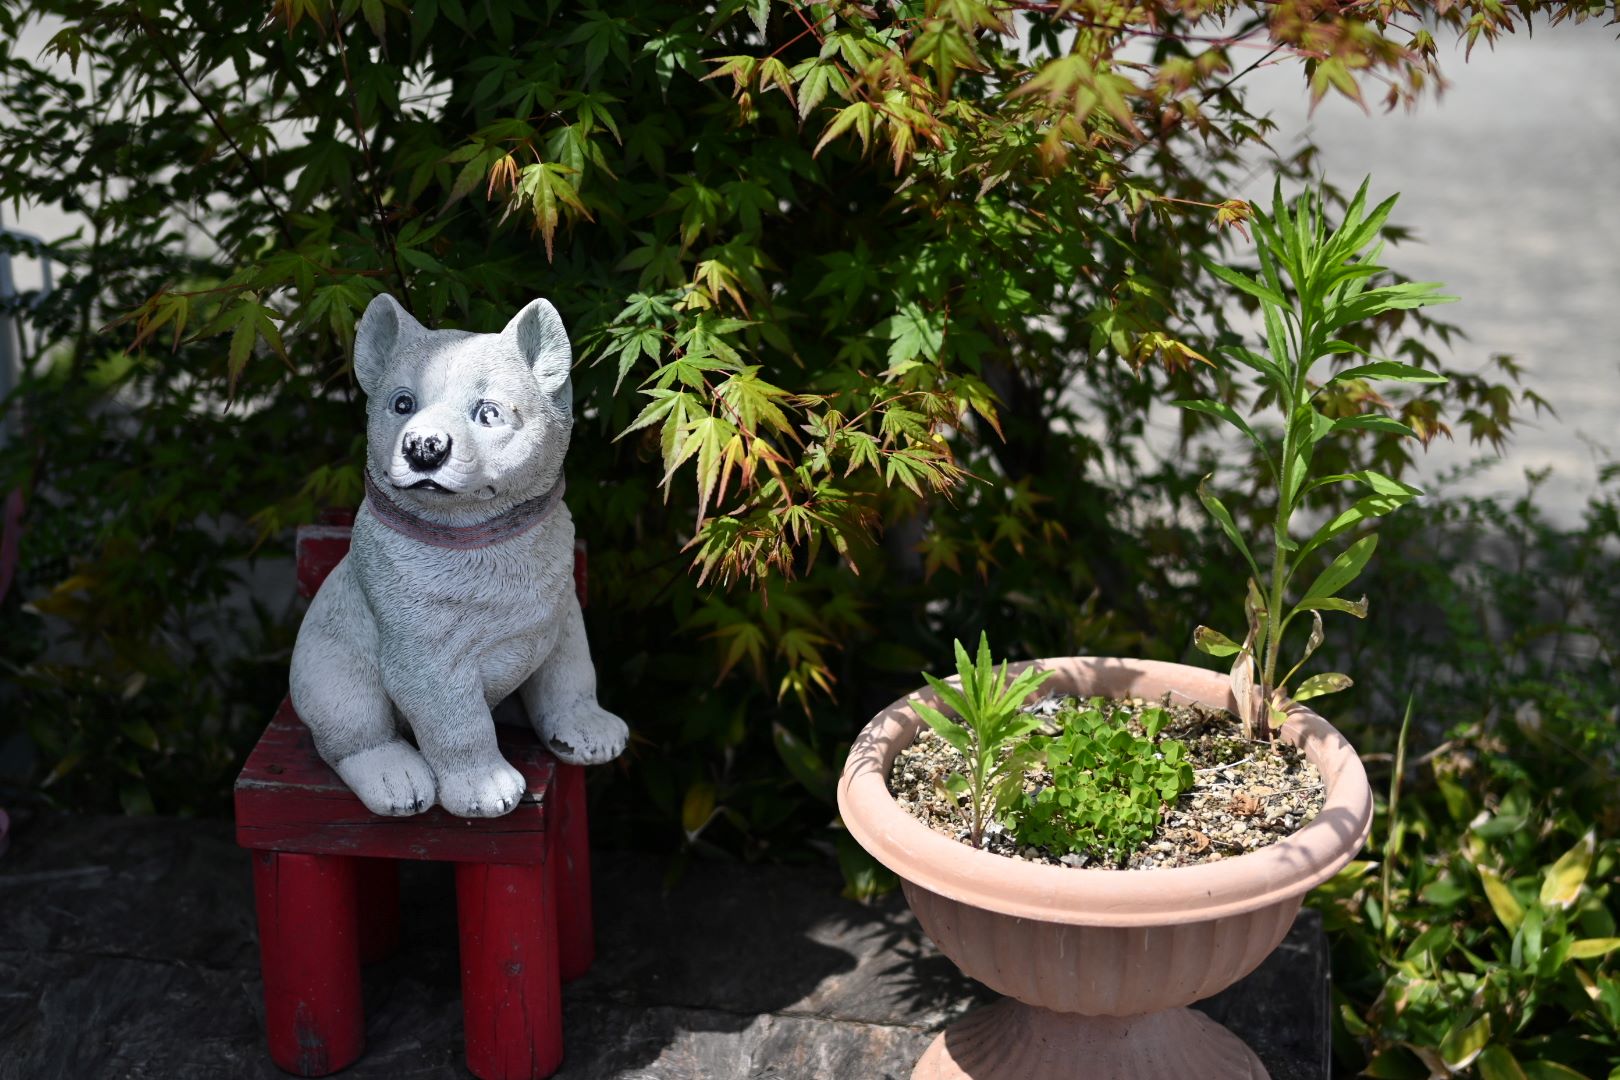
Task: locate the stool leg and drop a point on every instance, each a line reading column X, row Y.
column 310, row 960
column 511, row 997
column 576, row 929
column 378, row 881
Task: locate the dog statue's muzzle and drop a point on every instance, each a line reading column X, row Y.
column 424, row 453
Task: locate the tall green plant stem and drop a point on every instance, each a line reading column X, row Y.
column 1290, row 395
column 976, row 780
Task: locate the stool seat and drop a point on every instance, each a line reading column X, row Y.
column 327, row 895
column 288, row 799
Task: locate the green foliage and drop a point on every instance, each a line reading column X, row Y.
column 1486, row 925
column 1489, row 942
column 1314, row 284
column 1109, row 785
column 989, row 731
column 899, row 285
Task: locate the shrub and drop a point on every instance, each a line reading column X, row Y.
column 1480, row 937
column 854, row 288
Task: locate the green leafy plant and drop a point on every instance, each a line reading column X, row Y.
column 1470, row 949
column 900, row 281
column 1499, row 790
column 989, row 732
column 1316, row 285
column 1108, row 788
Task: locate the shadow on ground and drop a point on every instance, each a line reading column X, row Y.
column 127, row 951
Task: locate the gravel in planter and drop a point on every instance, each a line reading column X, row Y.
column 1248, row 795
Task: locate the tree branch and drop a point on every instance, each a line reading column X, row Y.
column 387, row 246
column 219, row 126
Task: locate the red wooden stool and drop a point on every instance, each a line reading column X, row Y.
column 326, row 887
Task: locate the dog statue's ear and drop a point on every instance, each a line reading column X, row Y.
column 384, row 329
column 538, row 332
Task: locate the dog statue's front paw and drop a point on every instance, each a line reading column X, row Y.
column 585, row 735
column 392, row 779
column 487, row 791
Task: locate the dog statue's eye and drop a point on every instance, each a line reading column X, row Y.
column 403, row 403
column 488, row 413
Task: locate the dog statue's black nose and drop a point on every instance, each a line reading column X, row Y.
column 426, row 452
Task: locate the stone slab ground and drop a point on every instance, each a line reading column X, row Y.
column 127, row 951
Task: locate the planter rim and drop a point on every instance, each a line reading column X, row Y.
column 1091, row 897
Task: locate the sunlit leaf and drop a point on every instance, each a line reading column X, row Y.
column 1225, row 412
column 1318, row 685
column 1214, row 642
column 1465, row 1041
column 1388, row 370
column 1551, row 1070
column 1244, row 283
column 697, row 809
column 1223, row 517
column 1562, row 885
column 1358, row 608
column 1386, row 425
column 953, row 733
column 1342, row 570
column 1589, row 948
column 1496, row 1062
column 1507, row 907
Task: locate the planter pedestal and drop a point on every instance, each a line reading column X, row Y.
column 1013, row 1041
column 1099, row 965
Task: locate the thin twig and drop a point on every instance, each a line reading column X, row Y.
column 1289, row 791
column 808, row 30
column 1158, row 137
column 1384, row 756
column 1218, row 768
column 219, row 126
column 385, row 238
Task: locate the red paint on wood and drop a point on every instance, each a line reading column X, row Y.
column 378, row 907
column 310, row 959
column 288, row 799
column 511, row 995
column 576, row 927
column 319, row 548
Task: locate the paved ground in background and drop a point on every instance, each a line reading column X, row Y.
column 127, row 950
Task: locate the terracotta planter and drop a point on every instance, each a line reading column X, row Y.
column 1099, row 965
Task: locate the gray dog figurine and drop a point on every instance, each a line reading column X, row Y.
column 458, row 589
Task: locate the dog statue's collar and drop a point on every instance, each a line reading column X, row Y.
column 514, row 522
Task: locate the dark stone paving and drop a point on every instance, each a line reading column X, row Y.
column 127, row 951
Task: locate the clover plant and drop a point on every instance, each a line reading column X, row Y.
column 1314, row 283
column 1108, row 785
column 990, row 731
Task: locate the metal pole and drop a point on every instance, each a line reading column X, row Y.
column 10, row 326
column 8, row 331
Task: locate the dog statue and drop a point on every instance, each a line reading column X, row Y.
column 458, row 589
